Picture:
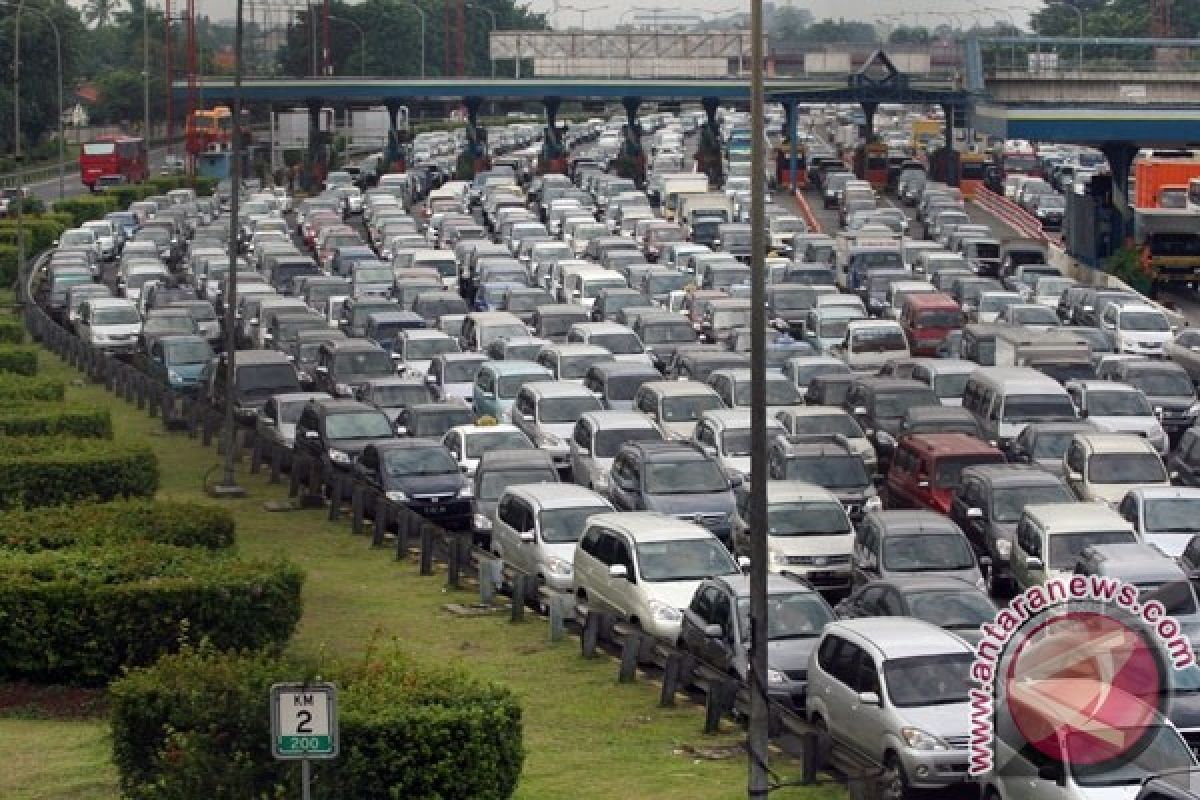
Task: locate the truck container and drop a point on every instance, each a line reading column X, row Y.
column 1168, row 242
column 1017, row 347
column 1154, row 174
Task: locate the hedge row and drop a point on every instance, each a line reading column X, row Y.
column 23, row 389
column 12, row 331
column 8, row 266
column 18, row 359
column 130, row 193
column 55, row 420
column 197, row 724
column 81, row 614
column 119, row 522
column 40, row 231
column 86, row 207
column 58, row 470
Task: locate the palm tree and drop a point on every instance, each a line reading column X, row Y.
column 100, row 12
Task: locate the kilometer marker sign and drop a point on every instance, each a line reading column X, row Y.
column 304, row 721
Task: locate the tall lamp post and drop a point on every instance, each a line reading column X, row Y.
column 1079, row 15
column 362, row 43
column 62, row 150
column 421, row 12
column 17, row 140
column 492, row 15
column 146, row 71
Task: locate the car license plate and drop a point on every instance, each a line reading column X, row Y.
column 822, row 575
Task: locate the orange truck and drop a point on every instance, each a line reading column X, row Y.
column 1163, row 182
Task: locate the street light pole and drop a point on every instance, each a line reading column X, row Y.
column 146, row 70
column 62, row 150
column 421, row 12
column 362, row 37
column 491, row 14
column 1079, row 15
column 17, row 141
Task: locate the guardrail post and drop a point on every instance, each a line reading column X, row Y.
column 517, row 612
column 313, row 483
column 454, row 567
column 810, row 756
column 294, row 478
column 256, row 454
column 337, row 484
column 403, row 534
column 631, row 648
column 276, row 461
column 384, row 512
column 141, row 391
column 677, row 674
column 556, row 606
column 488, row 567
column 593, row 622
column 357, row 515
column 208, row 424
column 426, row 549
column 718, row 702
column 863, row 786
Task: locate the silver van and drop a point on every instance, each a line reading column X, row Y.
column 1006, row 399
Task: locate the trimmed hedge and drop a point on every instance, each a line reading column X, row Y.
column 69, row 420
column 120, row 522
column 11, row 331
column 40, row 231
column 87, row 207
column 22, row 389
column 81, row 614
column 58, row 470
column 197, row 724
column 18, row 359
column 8, row 265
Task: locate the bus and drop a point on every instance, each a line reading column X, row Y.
column 972, row 170
column 209, row 130
column 871, row 163
column 113, row 159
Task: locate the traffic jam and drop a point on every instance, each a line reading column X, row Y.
column 560, row 364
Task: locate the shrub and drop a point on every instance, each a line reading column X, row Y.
column 128, row 193
column 204, row 186
column 69, row 420
column 40, row 231
column 11, row 331
column 125, row 521
column 80, row 614
column 197, row 724
column 8, row 265
column 57, row 470
column 22, row 389
column 82, row 209
column 18, row 359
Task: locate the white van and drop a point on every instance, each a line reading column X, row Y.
column 1051, row 536
column 1006, row 399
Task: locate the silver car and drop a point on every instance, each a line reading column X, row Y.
column 895, row 689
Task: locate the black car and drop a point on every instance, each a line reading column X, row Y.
column 825, row 460
column 939, row 419
column 879, row 406
column 987, row 506
column 948, row 603
column 677, row 479
column 420, row 474
column 1044, row 444
column 716, row 630
column 258, row 375
column 432, row 420
column 344, row 364
column 333, row 432
column 1166, row 385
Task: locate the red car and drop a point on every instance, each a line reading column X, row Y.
column 926, row 468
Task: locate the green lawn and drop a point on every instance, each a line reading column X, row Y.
column 587, row 737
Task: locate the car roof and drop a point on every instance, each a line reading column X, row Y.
column 776, row 584
column 542, row 389
column 558, row 495
column 678, row 388
column 1166, row 492
column 340, row 405
column 901, row 637
column 733, row 417
column 650, row 526
column 1071, row 517
column 1114, row 442
column 785, row 491
column 901, row 522
column 515, row 459
column 1012, row 474
column 515, row 367
column 618, row 419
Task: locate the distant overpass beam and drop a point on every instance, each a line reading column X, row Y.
column 869, row 120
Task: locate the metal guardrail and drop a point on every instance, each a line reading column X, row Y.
column 36, row 175
column 371, row 514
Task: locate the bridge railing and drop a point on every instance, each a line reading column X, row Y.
column 1064, row 57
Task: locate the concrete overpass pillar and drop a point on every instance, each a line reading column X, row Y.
column 948, row 155
column 395, row 155
column 1120, row 157
column 554, row 157
column 631, row 162
column 475, row 157
column 869, row 120
column 317, row 166
column 792, row 136
column 708, row 149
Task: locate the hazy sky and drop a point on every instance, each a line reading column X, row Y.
column 929, row 13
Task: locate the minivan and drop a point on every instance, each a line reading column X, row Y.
column 1006, row 399
column 927, row 318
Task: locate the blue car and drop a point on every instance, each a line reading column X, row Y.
column 497, row 383
column 178, row 361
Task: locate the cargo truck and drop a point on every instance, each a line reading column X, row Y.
column 1162, row 182
column 1168, row 243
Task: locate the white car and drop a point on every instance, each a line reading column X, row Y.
column 106, row 237
column 1118, row 408
column 468, row 443
column 110, row 323
column 1138, row 329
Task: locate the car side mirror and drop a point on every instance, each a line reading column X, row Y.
column 1034, row 564
column 618, row 571
column 311, row 435
column 714, row 631
column 736, row 481
column 868, row 698
column 860, row 411
column 923, row 484
column 527, row 537
column 974, row 513
column 1175, row 475
column 323, row 370
column 743, row 563
column 1074, row 475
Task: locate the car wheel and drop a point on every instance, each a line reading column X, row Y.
column 893, row 785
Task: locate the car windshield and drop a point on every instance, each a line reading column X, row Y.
column 998, row 302
column 358, row 425
column 1007, row 504
column 433, row 423
column 619, row 343
column 673, row 332
column 575, row 367
column 1150, row 321
column 736, row 442
column 688, row 408
column 116, row 316
column 939, row 319
column 403, row 461
column 1160, row 750
column 928, row 680
column 1118, row 404
column 1038, row 408
column 833, row 328
column 1172, row 514
column 566, row 409
column 952, row 384
column 1035, row 315
column 832, row 472
column 564, row 525
column 806, row 519
column 509, row 385
column 949, row 470
column 1065, row 548
column 401, row 395
column 267, row 377
column 878, row 340
column 169, row 324
column 692, row 477
column 1164, row 384
column 480, row 443
column 492, row 483
column 1126, row 468
column 809, row 425
column 426, row 349
column 948, row 608
column 188, row 353
column 684, row 560
column 367, row 362
column 897, row 404
column 926, row 551
column 794, row 615
column 460, row 371
column 606, row 443
column 780, row 392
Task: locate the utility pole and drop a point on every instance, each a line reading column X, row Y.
column 146, row 71
column 758, row 785
column 17, row 142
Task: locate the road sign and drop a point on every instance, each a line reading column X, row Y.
column 304, row 720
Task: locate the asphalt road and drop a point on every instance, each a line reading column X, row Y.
column 47, row 190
